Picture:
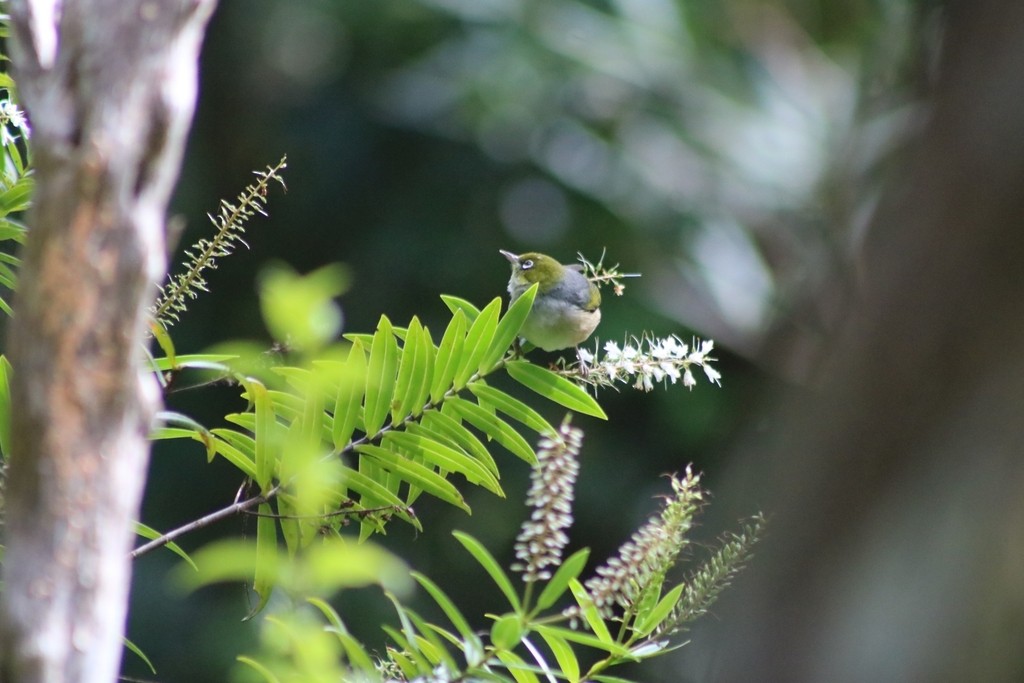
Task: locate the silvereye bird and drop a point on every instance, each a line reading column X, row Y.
column 565, row 311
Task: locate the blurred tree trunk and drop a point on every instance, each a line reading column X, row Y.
column 896, row 546
column 110, row 89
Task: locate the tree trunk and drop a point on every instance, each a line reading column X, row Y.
column 895, row 550
column 110, row 87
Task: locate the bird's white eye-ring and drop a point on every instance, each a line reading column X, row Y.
column 527, row 264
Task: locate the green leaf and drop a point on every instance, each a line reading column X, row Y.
column 286, row 405
column 564, row 655
column 407, row 637
column 266, row 557
column 262, row 670
column 139, row 653
column 351, row 385
column 362, row 337
column 508, row 329
column 569, row 570
column 265, row 434
column 494, row 427
column 507, row 632
column 163, row 339
column 297, row 378
column 446, row 363
column 512, row 407
column 396, row 655
column 194, row 430
column 401, row 404
column 647, row 622
column 428, row 353
column 585, row 639
column 162, row 433
column 554, row 387
column 447, row 426
column 152, row 534
column 375, row 494
column 446, row 458
column 430, row 645
column 456, row 304
column 380, row 377
column 592, row 615
column 519, row 669
column 11, row 230
column 290, row 531
column 371, row 470
column 478, row 340
column 338, row 564
column 414, row 473
column 648, row 598
column 412, row 375
column 5, row 406
column 198, row 361
column 491, row 566
column 301, row 308
column 18, row 197
column 355, row 652
column 449, row 608
column 228, row 446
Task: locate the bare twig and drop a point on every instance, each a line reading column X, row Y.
column 238, row 507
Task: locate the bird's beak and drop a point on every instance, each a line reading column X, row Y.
column 512, row 258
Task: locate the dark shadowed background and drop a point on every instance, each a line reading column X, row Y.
column 833, row 191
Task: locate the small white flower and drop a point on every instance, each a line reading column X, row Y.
column 10, row 113
column 656, row 370
column 610, row 369
column 688, row 380
column 680, row 349
column 626, row 364
column 671, row 371
column 643, row 381
column 660, row 349
column 585, row 356
column 612, row 353
column 713, row 375
column 672, row 347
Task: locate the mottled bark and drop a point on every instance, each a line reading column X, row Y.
column 110, row 89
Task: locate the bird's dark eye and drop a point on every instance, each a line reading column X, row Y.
column 527, row 264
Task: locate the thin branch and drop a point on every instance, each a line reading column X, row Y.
column 327, row 515
column 235, row 508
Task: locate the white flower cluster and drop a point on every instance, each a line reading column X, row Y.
column 11, row 114
column 646, row 361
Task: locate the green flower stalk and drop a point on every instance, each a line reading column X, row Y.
column 714, row 576
column 203, row 255
column 645, row 559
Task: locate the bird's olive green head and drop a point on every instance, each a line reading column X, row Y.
column 533, row 267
